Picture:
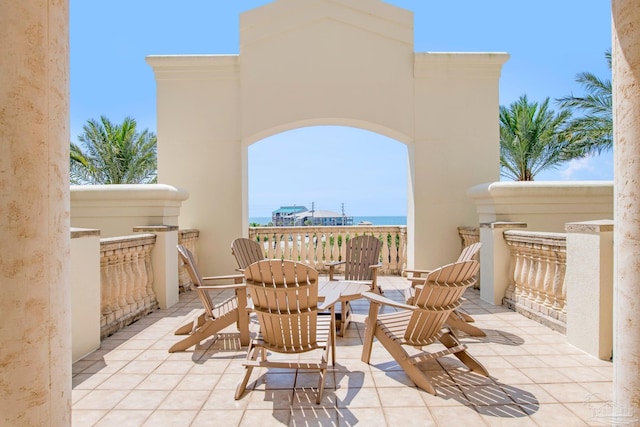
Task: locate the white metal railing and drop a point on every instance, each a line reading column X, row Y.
column 317, row 246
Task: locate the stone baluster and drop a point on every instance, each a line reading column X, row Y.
column 541, row 265
column 105, row 290
column 551, row 262
column 129, row 278
column 149, row 270
column 559, row 290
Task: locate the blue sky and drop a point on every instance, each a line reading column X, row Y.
column 549, row 41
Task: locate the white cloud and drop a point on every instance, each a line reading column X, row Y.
column 578, row 168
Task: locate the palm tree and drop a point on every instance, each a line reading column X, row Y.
column 113, row 154
column 531, row 139
column 591, row 129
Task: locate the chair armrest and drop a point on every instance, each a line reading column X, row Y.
column 378, row 265
column 329, row 299
column 334, row 263
column 379, row 299
column 332, row 266
column 237, row 278
column 417, row 273
column 222, row 287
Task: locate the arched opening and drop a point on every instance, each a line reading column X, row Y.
column 341, row 169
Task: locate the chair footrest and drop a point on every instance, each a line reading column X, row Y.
column 423, row 357
column 286, row 365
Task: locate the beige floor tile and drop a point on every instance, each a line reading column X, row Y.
column 181, row 418
column 86, row 417
column 88, row 381
column 600, row 414
column 550, row 414
column 567, row 392
column 142, row 400
column 198, row 382
column 122, row 381
column 528, row 394
column 547, row 375
column 270, row 399
column 105, row 367
column 354, row 379
column 487, row 395
column 393, row 379
column 400, row 397
column 306, row 398
column 407, row 416
column 225, row 399
column 312, row 416
column 179, row 367
column 504, row 415
column 101, row 399
column 218, row 418
column 600, row 391
column 361, row 416
column 124, row 418
column 185, row 399
column 529, row 361
column 357, row 398
column 160, row 382
column 140, row 367
column 456, row 416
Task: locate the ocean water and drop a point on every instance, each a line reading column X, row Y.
column 375, row 220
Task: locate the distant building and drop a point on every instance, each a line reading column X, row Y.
column 285, row 216
column 299, row 215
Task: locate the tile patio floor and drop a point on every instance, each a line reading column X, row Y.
column 537, row 379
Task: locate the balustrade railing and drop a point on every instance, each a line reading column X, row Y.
column 538, row 263
column 126, row 279
column 317, row 246
column 468, row 236
column 187, row 238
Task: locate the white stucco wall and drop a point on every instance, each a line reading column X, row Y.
column 321, row 62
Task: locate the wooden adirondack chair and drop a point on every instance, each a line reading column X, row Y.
column 214, row 317
column 423, row 323
column 361, row 264
column 246, row 252
column 458, row 319
column 285, row 300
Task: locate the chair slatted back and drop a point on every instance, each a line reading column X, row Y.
column 440, row 294
column 189, row 260
column 246, row 251
column 470, row 252
column 361, row 253
column 285, row 299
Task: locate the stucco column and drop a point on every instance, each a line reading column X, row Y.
column 35, row 325
column 626, row 96
column 164, row 259
column 495, row 259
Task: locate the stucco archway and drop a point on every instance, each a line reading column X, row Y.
column 323, row 62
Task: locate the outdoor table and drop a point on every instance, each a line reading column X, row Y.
column 349, row 290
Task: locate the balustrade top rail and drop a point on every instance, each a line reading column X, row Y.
column 318, row 245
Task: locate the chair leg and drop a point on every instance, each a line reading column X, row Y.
column 456, row 322
column 191, row 326
column 401, row 356
column 367, row 344
column 449, row 340
column 345, row 317
column 207, row 330
column 253, row 355
column 465, row 316
column 321, row 385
